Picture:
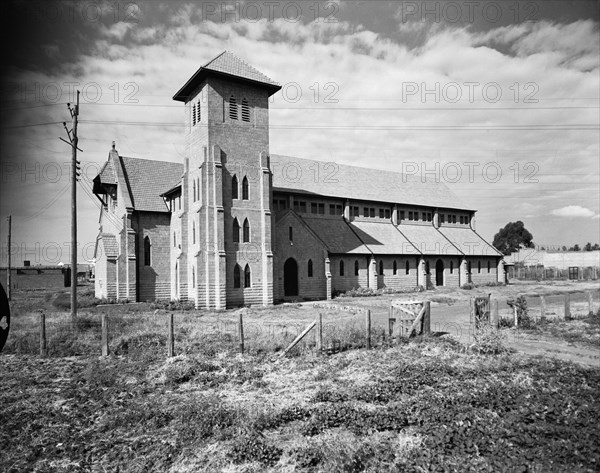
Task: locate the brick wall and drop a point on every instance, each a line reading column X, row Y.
column 482, row 276
column 154, row 280
column 450, row 270
column 304, row 246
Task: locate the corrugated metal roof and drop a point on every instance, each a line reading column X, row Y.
column 336, row 234
column 383, row 238
column 357, row 183
column 147, row 179
column 469, row 242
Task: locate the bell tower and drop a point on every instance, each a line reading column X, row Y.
column 227, row 184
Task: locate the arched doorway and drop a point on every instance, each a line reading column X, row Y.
column 439, row 273
column 290, row 278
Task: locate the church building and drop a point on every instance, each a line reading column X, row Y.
column 236, row 225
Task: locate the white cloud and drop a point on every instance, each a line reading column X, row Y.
column 575, row 211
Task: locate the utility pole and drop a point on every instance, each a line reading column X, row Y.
column 73, row 140
column 8, row 267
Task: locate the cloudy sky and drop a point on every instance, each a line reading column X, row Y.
column 499, row 100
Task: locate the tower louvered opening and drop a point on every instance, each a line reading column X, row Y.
column 233, row 111
column 245, row 111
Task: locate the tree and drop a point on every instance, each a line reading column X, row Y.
column 512, row 237
column 576, row 247
column 587, row 247
column 564, row 248
column 596, row 247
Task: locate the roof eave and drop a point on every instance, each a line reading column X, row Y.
column 183, row 94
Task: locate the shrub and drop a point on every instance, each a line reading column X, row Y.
column 252, row 447
column 468, row 286
column 522, row 314
column 488, row 341
column 172, row 305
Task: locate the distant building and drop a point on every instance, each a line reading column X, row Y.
column 554, row 259
column 236, row 225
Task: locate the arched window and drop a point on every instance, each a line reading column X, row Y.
column 236, row 231
column 175, row 239
column 488, row 266
column 193, row 277
column 233, row 111
column 395, row 268
column 247, row 278
column 245, row 111
column 478, row 266
column 246, row 231
column 234, row 187
column 451, row 267
column 147, row 252
column 341, row 268
column 194, row 187
column 310, row 268
column 193, row 233
column 236, row 276
column 356, row 268
column 381, row 267
column 245, row 188
column 407, row 267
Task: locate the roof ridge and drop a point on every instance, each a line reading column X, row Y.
column 215, row 58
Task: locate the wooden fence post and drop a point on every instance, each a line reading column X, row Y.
column 542, row 309
column 494, row 321
column 320, row 334
column 516, row 314
column 43, row 346
column 427, row 318
column 391, row 321
column 241, row 332
column 104, row 335
column 368, row 328
column 567, row 306
column 590, row 303
column 170, row 336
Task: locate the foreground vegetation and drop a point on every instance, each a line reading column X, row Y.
column 422, row 406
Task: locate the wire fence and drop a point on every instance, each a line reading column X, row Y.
column 540, row 273
column 161, row 333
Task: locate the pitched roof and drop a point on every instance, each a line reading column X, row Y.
column 357, row 183
column 383, row 238
column 336, row 234
column 107, row 174
column 147, row 179
column 469, row 242
column 428, row 240
column 230, row 65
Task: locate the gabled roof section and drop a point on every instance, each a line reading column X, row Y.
column 469, row 241
column 226, row 64
column 428, row 240
column 107, row 174
column 358, row 183
column 336, row 234
column 382, row 238
column 147, row 179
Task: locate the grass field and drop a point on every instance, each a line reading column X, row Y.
column 427, row 404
